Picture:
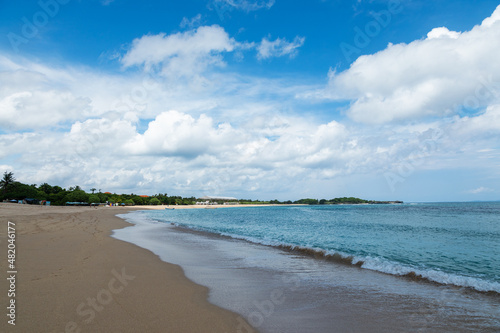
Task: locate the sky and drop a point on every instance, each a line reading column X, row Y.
column 257, row 99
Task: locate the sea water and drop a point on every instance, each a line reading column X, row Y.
column 441, row 258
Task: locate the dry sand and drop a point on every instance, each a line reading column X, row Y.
column 72, row 277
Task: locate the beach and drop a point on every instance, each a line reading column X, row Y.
column 243, row 256
column 72, row 277
column 81, row 269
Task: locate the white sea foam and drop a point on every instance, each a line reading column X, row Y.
column 267, row 234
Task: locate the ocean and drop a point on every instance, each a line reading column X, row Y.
column 416, row 267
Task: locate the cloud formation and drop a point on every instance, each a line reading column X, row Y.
column 279, row 47
column 181, row 54
column 191, row 23
column 435, row 76
column 140, row 130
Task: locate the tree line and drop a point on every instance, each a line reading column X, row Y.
column 58, row 196
column 14, row 190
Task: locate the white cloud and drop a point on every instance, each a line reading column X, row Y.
column 279, row 47
column 182, row 54
column 245, row 5
column 235, row 133
column 481, row 190
column 191, row 23
column 430, row 77
column 174, row 133
column 442, row 32
column 24, row 101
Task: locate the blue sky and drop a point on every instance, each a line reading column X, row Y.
column 254, row 98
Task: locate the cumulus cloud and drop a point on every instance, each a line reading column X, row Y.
column 24, row 102
column 442, row 32
column 174, row 133
column 279, row 47
column 230, row 133
column 434, row 76
column 181, row 54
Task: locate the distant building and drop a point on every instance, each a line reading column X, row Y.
column 212, row 200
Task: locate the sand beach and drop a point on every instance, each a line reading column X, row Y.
column 72, row 277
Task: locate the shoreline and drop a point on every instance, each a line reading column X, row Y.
column 275, row 289
column 74, row 277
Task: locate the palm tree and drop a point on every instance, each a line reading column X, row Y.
column 7, row 180
column 93, row 190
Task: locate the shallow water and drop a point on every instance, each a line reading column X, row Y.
column 283, row 291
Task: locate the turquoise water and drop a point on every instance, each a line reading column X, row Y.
column 449, row 243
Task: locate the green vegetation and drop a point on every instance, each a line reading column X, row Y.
column 14, row 190
column 10, row 189
column 154, row 202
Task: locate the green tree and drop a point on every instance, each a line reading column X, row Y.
column 129, row 202
column 77, row 196
column 7, row 180
column 94, row 198
column 307, row 201
column 93, row 189
column 20, row 191
column 154, row 202
column 46, row 188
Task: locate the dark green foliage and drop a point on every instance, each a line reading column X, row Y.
column 11, row 189
column 129, row 202
column 77, row 196
column 20, row 191
column 94, row 198
column 307, row 201
column 154, row 201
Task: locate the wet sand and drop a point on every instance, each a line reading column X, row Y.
column 73, row 277
column 287, row 291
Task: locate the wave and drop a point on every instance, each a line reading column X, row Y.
column 372, row 263
column 364, row 262
column 392, row 268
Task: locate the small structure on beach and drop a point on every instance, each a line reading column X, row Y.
column 31, row 201
column 212, row 200
column 77, row 203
